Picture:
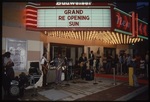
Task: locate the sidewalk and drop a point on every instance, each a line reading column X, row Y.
column 82, row 90
column 121, row 92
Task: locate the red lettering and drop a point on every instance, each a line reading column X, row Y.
column 140, row 28
column 145, row 30
column 126, row 22
column 119, row 19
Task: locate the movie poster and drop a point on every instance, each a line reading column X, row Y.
column 18, row 50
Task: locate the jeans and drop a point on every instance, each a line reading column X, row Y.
column 58, row 76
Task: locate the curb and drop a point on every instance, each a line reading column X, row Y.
column 132, row 94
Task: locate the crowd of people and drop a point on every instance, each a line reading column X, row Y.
column 120, row 62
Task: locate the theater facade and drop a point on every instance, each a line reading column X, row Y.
column 69, row 28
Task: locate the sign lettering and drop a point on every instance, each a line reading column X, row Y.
column 122, row 21
column 74, row 18
column 142, row 29
column 73, row 3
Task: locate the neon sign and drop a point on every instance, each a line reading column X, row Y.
column 122, row 21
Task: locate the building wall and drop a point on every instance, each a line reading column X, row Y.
column 13, row 14
column 34, row 45
column 13, row 26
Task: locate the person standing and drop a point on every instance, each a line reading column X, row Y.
column 104, row 59
column 91, row 59
column 147, row 62
column 58, row 63
column 147, row 57
column 128, row 63
column 70, row 65
column 44, row 64
column 8, row 72
column 142, row 67
column 121, row 62
column 116, row 63
column 83, row 61
column 109, row 64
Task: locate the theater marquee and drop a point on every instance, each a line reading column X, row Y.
column 73, row 18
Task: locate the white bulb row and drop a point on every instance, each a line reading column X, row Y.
column 104, row 36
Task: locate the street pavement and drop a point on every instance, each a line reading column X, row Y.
column 99, row 89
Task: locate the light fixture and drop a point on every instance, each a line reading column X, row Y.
column 104, row 36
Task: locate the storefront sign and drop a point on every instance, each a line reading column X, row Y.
column 73, row 18
column 130, row 23
column 142, row 29
column 73, row 3
column 123, row 22
column 80, row 3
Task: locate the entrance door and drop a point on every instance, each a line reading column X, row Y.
column 111, row 51
column 70, row 51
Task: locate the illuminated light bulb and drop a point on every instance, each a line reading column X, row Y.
column 113, row 36
column 90, row 34
column 117, row 37
column 138, row 39
column 106, row 37
column 109, row 36
column 127, row 39
column 135, row 40
column 84, row 35
column 77, row 35
column 124, row 38
column 45, row 32
column 121, row 38
column 132, row 40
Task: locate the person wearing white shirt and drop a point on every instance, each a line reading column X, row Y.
column 44, row 65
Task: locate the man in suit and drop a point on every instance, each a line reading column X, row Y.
column 91, row 59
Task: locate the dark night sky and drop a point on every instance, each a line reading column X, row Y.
column 142, row 3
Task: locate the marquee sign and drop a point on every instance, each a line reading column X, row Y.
column 142, row 29
column 130, row 23
column 73, row 18
column 122, row 22
column 66, row 16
